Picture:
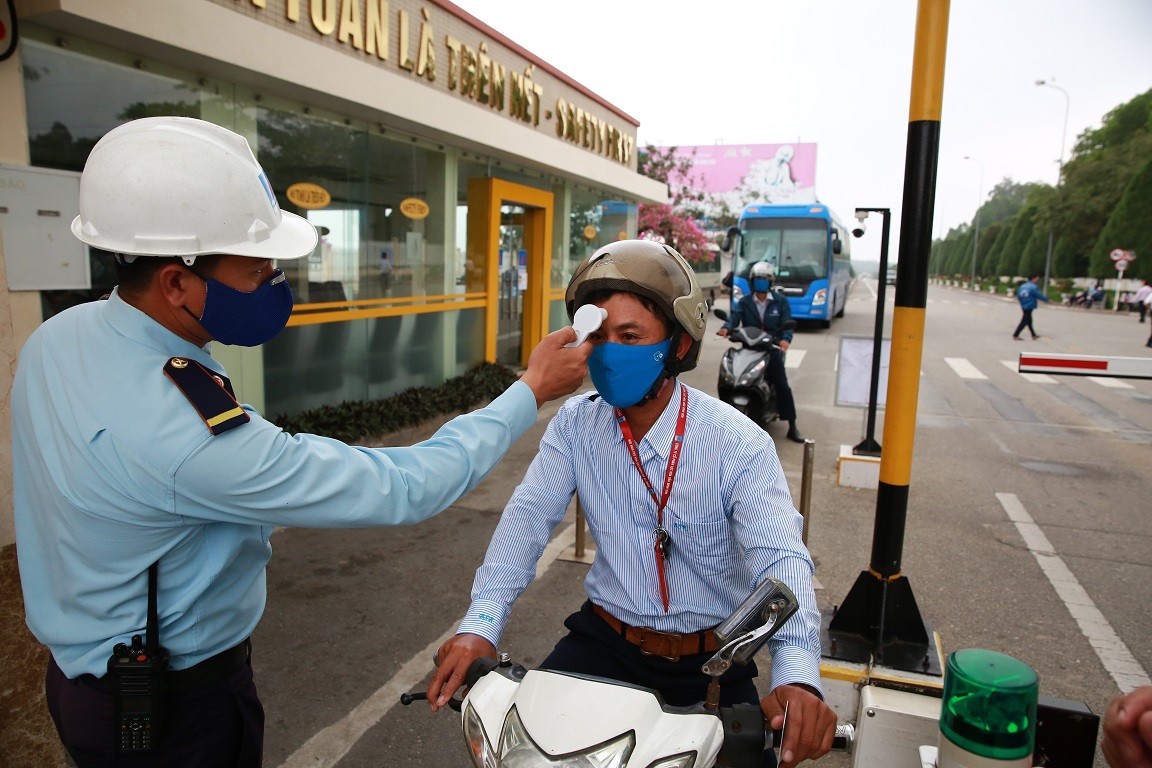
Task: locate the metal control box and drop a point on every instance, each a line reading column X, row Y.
column 891, row 726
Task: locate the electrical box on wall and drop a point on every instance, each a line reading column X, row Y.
column 37, row 206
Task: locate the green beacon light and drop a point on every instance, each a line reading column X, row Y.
column 988, row 716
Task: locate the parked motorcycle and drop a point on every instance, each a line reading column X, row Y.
column 519, row 718
column 743, row 381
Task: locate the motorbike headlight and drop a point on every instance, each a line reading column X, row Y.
column 686, row 760
column 726, row 375
column 517, row 750
column 478, row 745
column 753, row 373
column 821, row 298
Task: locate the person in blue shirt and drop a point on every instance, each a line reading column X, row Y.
column 1029, row 295
column 768, row 310
column 130, row 451
column 654, row 460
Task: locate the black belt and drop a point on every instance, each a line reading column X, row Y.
column 208, row 671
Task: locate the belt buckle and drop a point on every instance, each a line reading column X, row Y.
column 663, row 645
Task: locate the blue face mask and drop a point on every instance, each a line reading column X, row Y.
column 246, row 319
column 623, row 373
column 761, row 284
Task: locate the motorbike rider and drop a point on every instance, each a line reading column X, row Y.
column 670, row 565
column 768, row 310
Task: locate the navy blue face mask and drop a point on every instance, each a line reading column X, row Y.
column 246, row 319
column 761, row 284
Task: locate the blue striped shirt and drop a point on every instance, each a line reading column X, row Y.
column 730, row 516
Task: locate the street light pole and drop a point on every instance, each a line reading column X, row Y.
column 976, row 224
column 1059, row 173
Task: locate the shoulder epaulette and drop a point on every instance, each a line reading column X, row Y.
column 210, row 394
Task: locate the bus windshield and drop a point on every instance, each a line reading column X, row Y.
column 796, row 248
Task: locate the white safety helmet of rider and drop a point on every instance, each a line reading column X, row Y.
column 762, row 269
column 649, row 269
column 178, row 186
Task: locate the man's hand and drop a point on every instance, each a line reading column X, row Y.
column 1128, row 730
column 723, row 332
column 783, row 345
column 555, row 370
column 452, row 663
column 811, row 723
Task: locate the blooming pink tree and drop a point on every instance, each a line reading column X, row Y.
column 672, row 224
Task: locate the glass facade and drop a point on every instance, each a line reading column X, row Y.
column 391, row 298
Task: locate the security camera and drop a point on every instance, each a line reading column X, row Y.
column 858, row 230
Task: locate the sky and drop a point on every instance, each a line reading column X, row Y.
column 839, row 73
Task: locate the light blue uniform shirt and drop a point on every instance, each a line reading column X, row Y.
column 114, row 469
column 730, row 516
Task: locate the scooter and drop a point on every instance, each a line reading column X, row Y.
column 743, row 381
column 519, row 718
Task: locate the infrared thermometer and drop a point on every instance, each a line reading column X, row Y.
column 586, row 320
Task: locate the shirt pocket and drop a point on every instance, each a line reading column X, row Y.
column 706, row 546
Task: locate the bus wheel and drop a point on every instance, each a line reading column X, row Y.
column 825, row 323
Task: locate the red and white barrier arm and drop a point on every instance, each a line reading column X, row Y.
column 1086, row 365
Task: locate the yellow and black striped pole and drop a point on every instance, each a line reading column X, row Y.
column 879, row 619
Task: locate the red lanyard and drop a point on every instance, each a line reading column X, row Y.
column 663, row 540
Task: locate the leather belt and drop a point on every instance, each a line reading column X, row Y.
column 208, row 671
column 665, row 645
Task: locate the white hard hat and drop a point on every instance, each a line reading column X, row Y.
column 763, row 269
column 177, row 186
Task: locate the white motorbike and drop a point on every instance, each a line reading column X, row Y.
column 519, row 718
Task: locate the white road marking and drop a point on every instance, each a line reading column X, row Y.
column 1115, row 656
column 794, row 357
column 1110, row 383
column 963, row 368
column 1035, row 378
column 328, row 746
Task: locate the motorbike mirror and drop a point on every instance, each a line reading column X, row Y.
column 726, row 243
column 773, row 602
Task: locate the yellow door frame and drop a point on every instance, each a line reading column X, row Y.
column 485, row 198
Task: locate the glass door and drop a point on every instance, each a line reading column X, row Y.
column 513, row 283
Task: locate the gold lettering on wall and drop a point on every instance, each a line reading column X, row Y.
column 426, row 57
column 350, row 28
column 324, row 16
column 376, row 29
column 474, row 71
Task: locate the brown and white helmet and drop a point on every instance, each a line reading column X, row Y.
column 652, row 270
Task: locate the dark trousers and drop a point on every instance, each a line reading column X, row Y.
column 785, row 405
column 1025, row 322
column 220, row 723
column 591, row 647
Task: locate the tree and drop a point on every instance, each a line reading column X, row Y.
column 1015, row 242
column 1129, row 228
column 673, row 224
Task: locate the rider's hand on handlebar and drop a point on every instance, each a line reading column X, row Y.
column 783, row 345
column 452, row 663
column 811, row 723
column 722, row 333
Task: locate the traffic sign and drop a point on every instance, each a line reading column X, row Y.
column 1121, row 264
column 1119, row 254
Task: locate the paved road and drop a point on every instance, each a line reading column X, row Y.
column 354, row 615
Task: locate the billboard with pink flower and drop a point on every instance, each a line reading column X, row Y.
column 740, row 174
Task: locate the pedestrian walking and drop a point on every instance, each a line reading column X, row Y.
column 1141, row 297
column 1028, row 295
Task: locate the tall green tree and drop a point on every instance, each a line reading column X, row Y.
column 1010, row 256
column 1129, row 227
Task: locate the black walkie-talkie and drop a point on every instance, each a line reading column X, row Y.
column 138, row 673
